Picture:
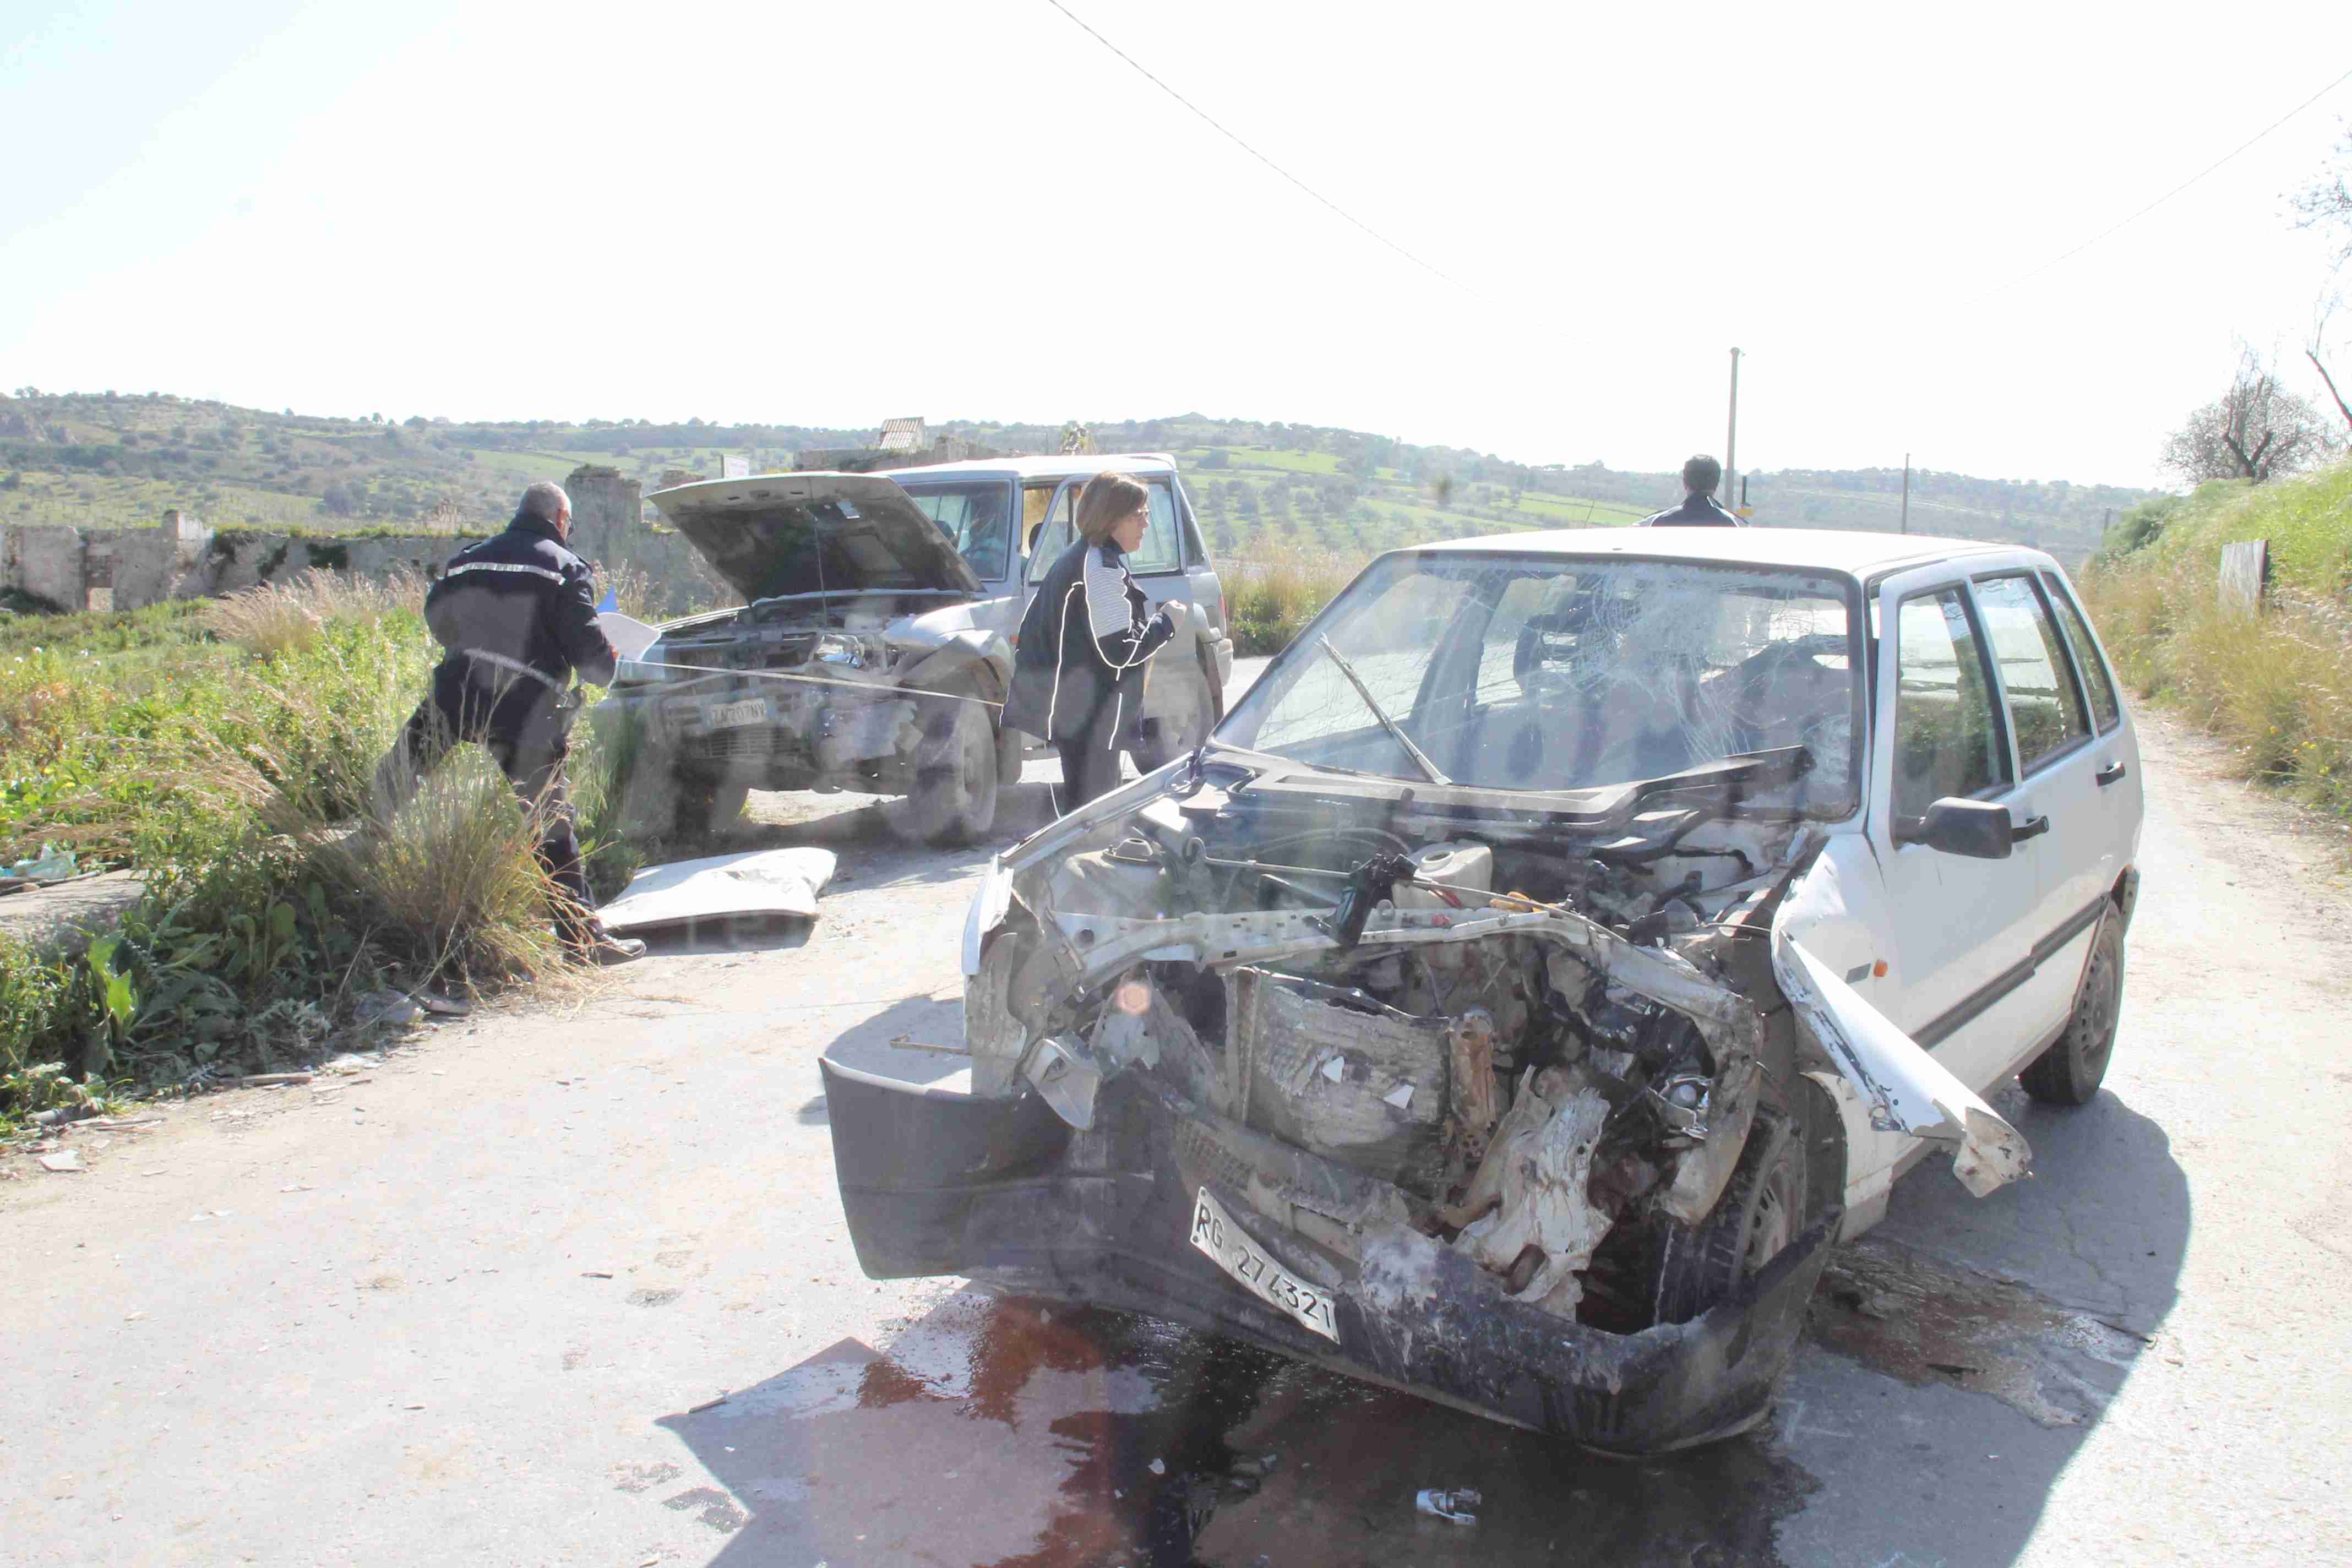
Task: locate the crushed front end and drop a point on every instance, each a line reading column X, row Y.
column 1500, row 1105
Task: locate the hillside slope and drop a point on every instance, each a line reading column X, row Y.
column 2276, row 685
column 118, row 460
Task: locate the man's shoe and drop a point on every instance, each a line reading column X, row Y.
column 604, row 947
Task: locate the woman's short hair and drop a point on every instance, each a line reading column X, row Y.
column 1108, row 499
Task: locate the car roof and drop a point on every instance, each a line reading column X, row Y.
column 1829, row 550
column 1059, row 466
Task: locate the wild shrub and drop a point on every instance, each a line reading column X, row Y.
column 2276, row 685
column 233, row 765
column 1272, row 593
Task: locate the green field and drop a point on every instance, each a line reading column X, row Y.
column 118, row 460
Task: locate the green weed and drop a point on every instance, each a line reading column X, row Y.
column 2278, row 685
column 1272, row 594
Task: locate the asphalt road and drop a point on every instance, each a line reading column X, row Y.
column 472, row 1304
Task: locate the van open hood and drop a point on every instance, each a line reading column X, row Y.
column 773, row 534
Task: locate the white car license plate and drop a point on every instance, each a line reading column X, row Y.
column 1214, row 1233
column 731, row 715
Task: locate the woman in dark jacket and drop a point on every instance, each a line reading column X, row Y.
column 1078, row 676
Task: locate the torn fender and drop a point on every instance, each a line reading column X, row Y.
column 1907, row 1089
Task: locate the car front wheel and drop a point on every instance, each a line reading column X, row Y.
column 1762, row 1210
column 2071, row 1070
column 954, row 797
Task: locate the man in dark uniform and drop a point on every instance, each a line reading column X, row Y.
column 518, row 615
column 1700, row 476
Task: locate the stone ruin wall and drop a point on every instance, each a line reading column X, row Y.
column 70, row 568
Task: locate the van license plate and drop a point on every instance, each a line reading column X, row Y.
column 733, row 715
column 1214, row 1233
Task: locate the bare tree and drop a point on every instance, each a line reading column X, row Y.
column 2326, row 203
column 2256, row 430
column 2327, row 308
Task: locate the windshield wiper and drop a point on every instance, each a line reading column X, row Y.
column 1421, row 759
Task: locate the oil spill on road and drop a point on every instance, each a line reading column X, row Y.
column 1019, row 1434
column 1912, row 1317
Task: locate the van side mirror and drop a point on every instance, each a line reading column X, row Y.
column 1980, row 829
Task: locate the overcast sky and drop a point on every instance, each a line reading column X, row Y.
column 831, row 215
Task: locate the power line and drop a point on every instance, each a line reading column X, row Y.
column 2176, row 190
column 1253, row 152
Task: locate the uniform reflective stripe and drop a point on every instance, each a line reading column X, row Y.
column 502, row 567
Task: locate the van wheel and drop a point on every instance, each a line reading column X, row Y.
column 1762, row 1210
column 2071, row 1070
column 954, row 797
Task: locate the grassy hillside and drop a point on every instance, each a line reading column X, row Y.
column 2277, row 686
column 118, row 460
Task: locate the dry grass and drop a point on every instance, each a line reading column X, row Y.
column 452, row 877
column 277, row 618
column 1271, row 594
column 447, row 882
column 2276, row 685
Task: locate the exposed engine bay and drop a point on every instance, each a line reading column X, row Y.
column 1537, row 1040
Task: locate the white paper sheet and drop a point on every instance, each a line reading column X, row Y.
column 629, row 635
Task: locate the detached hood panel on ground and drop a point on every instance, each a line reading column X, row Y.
column 722, row 887
column 774, row 534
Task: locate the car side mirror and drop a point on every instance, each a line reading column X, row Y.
column 1980, row 829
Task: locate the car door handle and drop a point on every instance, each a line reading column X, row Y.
column 2110, row 775
column 2032, row 827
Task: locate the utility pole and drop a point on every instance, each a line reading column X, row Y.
column 1731, row 435
column 1906, row 492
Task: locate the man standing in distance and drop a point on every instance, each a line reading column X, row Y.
column 1700, row 476
column 517, row 614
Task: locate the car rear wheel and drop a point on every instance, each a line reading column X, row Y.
column 954, row 797
column 1762, row 1210
column 2071, row 1070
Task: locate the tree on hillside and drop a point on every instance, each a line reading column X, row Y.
column 2256, row 430
column 2326, row 203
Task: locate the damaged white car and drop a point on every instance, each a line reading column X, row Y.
column 1566, row 940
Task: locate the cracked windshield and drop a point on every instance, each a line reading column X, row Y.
column 1558, row 674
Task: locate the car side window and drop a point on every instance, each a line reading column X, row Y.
column 1947, row 740
column 1159, row 552
column 2086, row 654
column 2045, row 706
column 1045, row 525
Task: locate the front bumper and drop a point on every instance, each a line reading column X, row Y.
column 934, row 1182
